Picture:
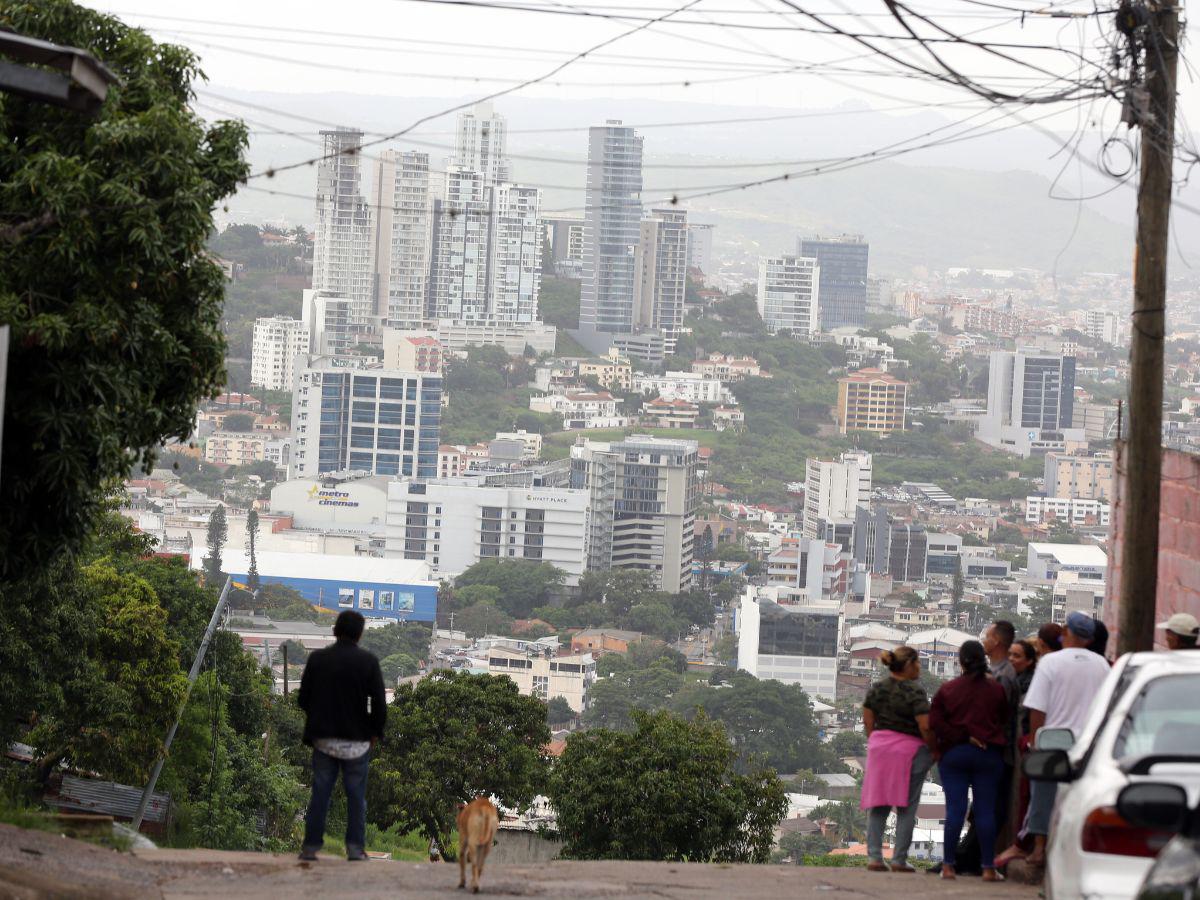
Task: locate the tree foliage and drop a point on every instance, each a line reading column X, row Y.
column 122, row 687
column 114, row 308
column 667, row 790
column 522, row 584
column 451, row 737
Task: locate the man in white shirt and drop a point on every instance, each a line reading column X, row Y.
column 1060, row 696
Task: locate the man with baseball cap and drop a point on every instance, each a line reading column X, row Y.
column 1060, row 696
column 1182, row 631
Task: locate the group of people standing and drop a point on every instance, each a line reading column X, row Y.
column 976, row 728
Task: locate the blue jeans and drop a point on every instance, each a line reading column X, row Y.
column 1041, row 806
column 966, row 766
column 354, row 779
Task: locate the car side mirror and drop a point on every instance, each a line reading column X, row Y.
column 1048, row 765
column 1153, row 804
column 1054, row 739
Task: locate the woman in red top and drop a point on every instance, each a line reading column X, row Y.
column 969, row 717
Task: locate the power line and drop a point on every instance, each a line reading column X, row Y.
column 270, row 173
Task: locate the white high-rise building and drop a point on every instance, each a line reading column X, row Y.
column 699, row 247
column 342, row 243
column 328, row 322
column 1102, row 325
column 1030, row 405
column 486, row 239
column 349, row 414
column 402, row 222
column 460, row 249
column 833, row 489
column 660, row 264
column 788, row 293
column 277, row 342
column 644, row 492
column 612, row 229
column 480, row 144
column 516, row 265
column 453, row 523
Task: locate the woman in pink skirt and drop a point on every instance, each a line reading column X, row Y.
column 900, row 752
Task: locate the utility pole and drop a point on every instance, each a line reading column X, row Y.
column 284, row 648
column 192, row 676
column 1142, row 456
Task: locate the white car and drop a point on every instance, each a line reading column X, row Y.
column 1144, row 726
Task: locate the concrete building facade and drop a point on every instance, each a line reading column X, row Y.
column 453, row 523
column 660, row 268
column 643, row 493
column 343, row 264
column 789, row 293
column 348, row 414
column 277, row 341
column 871, row 400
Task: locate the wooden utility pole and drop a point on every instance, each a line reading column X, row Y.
column 1142, row 455
column 284, row 648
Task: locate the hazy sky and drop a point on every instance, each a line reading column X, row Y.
column 719, row 53
column 425, row 49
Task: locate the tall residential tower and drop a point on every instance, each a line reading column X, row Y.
column 342, row 243
column 612, row 229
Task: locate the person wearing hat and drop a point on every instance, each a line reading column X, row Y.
column 1182, row 631
column 1060, row 696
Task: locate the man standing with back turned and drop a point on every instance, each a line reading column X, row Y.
column 342, row 694
column 1060, row 696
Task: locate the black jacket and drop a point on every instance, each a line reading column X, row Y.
column 342, row 693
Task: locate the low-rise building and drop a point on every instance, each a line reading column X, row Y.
column 727, row 369
column 682, row 386
column 581, row 409
column 920, row 618
column 1087, row 475
column 531, row 442
column 604, row 640
column 451, row 524
column 1071, row 510
column 543, row 676
column 457, row 336
column 871, row 400
column 1045, row 561
column 612, row 371
column 663, row 413
column 728, row 417
column 230, row 448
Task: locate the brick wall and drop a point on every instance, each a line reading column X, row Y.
column 1178, row 539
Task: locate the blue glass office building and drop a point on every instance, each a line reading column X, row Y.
column 375, row 420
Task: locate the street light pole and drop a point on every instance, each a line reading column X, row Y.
column 192, row 676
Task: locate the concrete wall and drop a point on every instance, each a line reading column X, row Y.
column 515, row 847
column 1178, row 539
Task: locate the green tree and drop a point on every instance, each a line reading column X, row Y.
column 798, row 845
column 398, row 665
column 251, row 546
column 522, row 584
column 483, row 619
column 451, row 737
column 665, row 791
column 849, row 821
column 558, row 711
column 238, row 422
column 121, row 203
column 849, row 743
column 766, row 720
column 410, row 638
column 218, row 531
column 726, row 649
column 123, row 686
column 297, row 653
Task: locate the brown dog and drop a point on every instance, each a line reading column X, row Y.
column 477, row 824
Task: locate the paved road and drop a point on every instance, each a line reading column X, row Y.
column 39, row 865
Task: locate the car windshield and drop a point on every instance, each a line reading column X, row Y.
column 1165, row 718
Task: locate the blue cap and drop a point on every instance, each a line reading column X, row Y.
column 1081, row 625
